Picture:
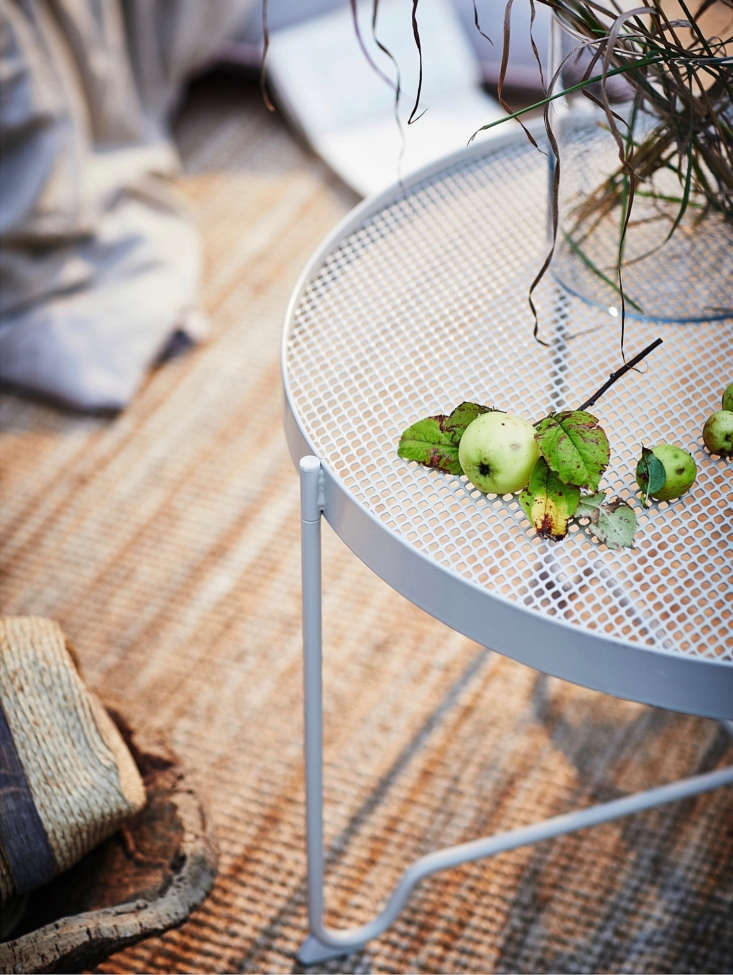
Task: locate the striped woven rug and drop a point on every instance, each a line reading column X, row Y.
column 165, row 542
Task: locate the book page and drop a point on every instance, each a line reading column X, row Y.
column 346, row 110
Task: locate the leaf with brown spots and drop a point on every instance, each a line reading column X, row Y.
column 464, row 414
column 548, row 502
column 612, row 522
column 574, row 446
column 434, row 441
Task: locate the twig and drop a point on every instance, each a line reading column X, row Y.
column 619, row 373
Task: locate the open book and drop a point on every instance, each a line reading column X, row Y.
column 346, row 111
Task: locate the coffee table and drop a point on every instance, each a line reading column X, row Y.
column 417, row 301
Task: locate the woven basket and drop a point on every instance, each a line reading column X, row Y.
column 67, row 780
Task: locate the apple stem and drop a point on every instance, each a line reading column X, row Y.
column 619, row 373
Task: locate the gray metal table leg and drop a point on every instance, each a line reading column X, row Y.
column 323, row 942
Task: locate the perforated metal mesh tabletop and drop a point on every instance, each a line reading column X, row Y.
column 418, row 302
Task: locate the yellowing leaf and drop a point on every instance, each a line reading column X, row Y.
column 548, row 502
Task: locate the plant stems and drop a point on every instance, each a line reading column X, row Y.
column 643, row 62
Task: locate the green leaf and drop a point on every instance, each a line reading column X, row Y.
column 574, row 446
column 589, row 504
column 434, row 440
column 612, row 522
column 650, row 473
column 548, row 502
column 462, row 415
column 430, row 444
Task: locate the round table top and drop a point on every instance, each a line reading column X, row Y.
column 417, row 302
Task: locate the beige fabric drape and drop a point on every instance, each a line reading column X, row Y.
column 99, row 264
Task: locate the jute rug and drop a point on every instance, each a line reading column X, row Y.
column 165, row 542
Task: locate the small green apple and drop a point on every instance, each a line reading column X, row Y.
column 679, row 468
column 727, row 401
column 498, row 452
column 718, row 433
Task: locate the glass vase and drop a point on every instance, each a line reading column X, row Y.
column 669, row 265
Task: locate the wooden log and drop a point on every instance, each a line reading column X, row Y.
column 145, row 879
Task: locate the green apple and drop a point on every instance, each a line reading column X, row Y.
column 718, row 433
column 498, row 452
column 680, row 471
column 727, row 401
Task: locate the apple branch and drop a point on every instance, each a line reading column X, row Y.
column 619, row 373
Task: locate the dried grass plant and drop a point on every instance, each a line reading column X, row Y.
column 677, row 62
